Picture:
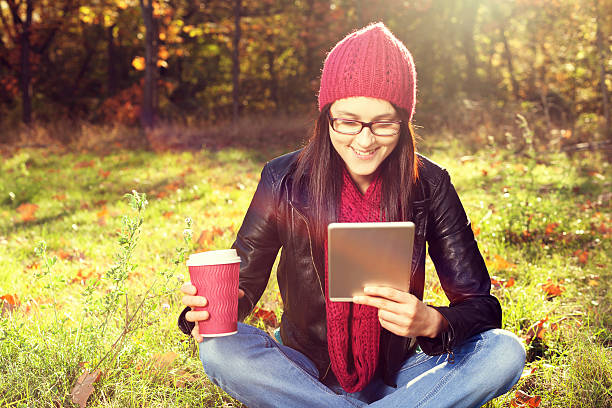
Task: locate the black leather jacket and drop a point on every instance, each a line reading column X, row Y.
column 278, row 218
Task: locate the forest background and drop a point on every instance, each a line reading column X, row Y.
column 151, row 62
column 184, row 101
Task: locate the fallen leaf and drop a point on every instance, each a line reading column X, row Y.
column 10, row 299
column 102, row 213
column 84, row 387
column 528, row 371
column 83, row 164
column 27, row 211
column 475, row 230
column 59, row 197
column 183, row 378
column 552, row 289
column 8, row 303
column 268, row 316
column 522, row 399
column 62, row 254
column 583, row 257
column 550, row 228
column 500, row 263
column 163, row 361
column 168, row 214
column 536, row 331
column 104, row 173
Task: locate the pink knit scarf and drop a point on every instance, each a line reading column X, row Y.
column 353, row 331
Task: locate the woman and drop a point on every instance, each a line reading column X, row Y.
column 361, row 166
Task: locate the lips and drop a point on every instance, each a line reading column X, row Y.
column 364, row 154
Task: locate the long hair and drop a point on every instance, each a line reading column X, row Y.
column 319, row 170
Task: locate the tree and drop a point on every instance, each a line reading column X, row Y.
column 147, row 113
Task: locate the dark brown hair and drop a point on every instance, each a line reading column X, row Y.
column 319, row 171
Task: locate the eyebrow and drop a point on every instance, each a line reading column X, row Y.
column 384, row 116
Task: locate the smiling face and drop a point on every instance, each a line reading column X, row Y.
column 364, row 152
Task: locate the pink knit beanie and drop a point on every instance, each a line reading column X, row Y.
column 370, row 62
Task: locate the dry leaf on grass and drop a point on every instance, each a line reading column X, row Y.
column 268, row 316
column 8, row 303
column 522, row 399
column 552, row 289
column 84, row 387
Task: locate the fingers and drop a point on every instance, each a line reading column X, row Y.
column 388, row 293
column 379, row 303
column 196, row 315
column 195, row 333
column 188, row 289
column 394, row 328
column 194, row 301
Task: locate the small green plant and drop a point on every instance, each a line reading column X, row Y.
column 112, row 311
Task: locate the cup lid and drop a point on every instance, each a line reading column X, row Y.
column 219, row 257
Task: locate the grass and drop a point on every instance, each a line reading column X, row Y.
column 542, row 222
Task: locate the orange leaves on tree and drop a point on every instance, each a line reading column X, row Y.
column 139, row 63
column 267, row 316
column 83, row 388
column 552, row 289
column 27, row 211
column 522, row 399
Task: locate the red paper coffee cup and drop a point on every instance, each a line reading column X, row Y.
column 215, row 276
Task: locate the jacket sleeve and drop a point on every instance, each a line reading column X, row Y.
column 462, row 272
column 257, row 244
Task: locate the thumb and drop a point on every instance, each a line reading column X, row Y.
column 240, row 293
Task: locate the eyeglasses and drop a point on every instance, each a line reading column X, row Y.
column 354, row 127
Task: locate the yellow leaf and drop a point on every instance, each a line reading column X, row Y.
column 139, row 63
column 163, row 53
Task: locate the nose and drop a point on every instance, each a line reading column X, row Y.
column 365, row 138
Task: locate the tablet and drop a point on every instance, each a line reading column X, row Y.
column 368, row 254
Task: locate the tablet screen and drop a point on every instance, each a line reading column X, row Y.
column 368, row 254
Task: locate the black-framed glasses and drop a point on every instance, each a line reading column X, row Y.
column 354, row 127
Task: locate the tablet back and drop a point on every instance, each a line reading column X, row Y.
column 368, row 254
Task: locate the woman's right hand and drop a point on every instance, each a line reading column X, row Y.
column 191, row 300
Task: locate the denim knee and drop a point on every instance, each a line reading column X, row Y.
column 226, row 355
column 507, row 354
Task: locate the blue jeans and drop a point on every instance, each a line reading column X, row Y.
column 256, row 370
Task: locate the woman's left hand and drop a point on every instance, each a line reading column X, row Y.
column 403, row 313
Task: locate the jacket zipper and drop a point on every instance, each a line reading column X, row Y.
column 313, row 264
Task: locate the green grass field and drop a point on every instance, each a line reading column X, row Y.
column 543, row 222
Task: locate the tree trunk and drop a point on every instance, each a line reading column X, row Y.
column 509, row 58
column 469, row 49
column 602, row 76
column 111, row 81
column 273, row 77
column 25, row 78
column 236, row 62
column 146, row 114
